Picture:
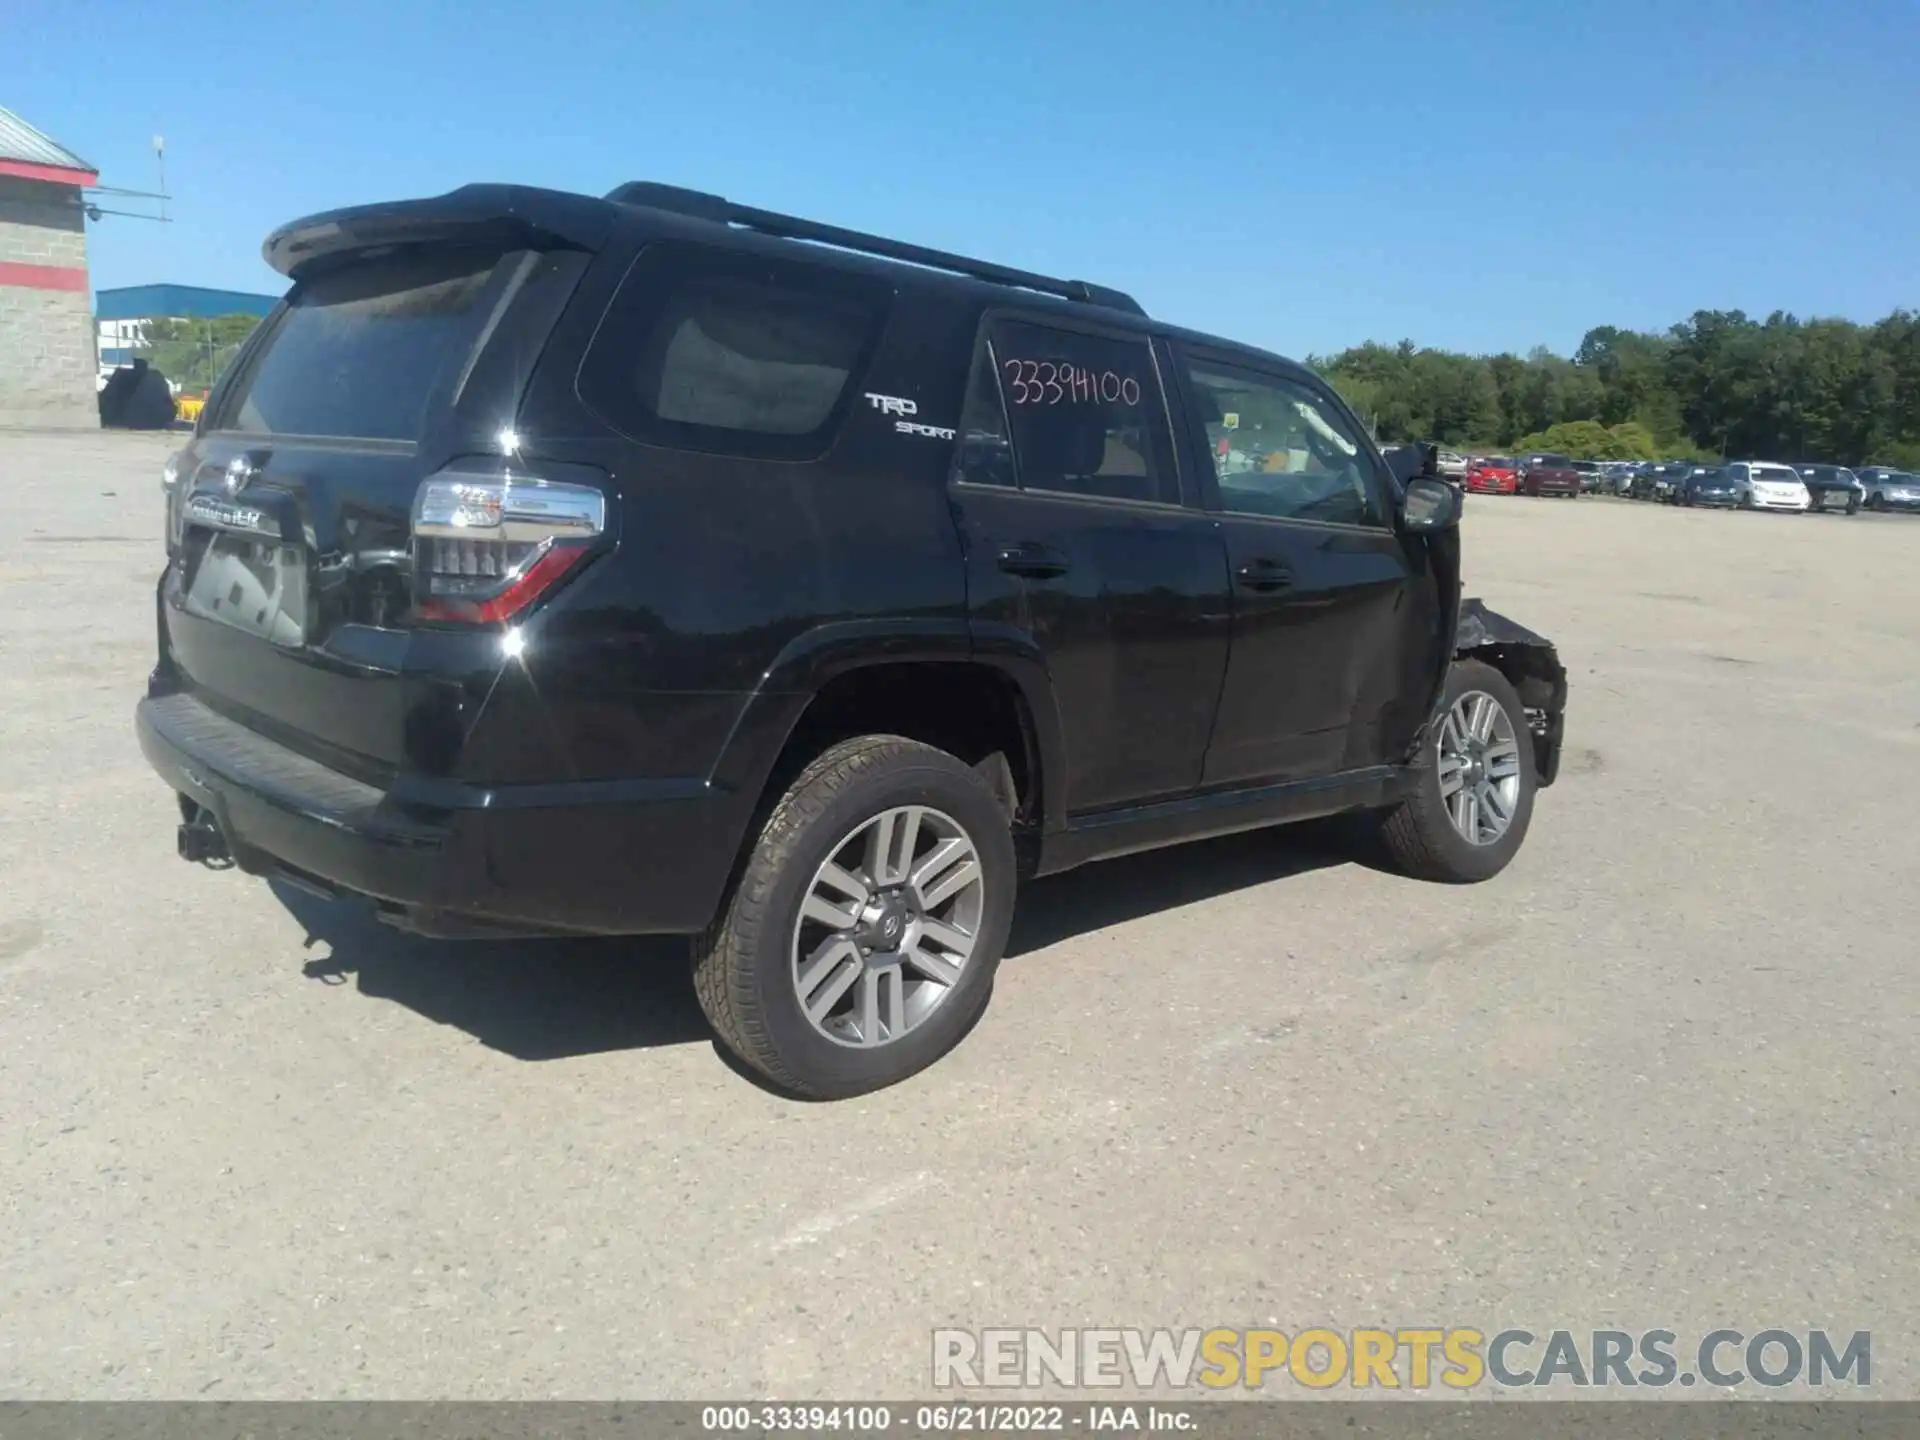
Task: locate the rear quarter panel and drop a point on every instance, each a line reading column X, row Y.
column 736, row 578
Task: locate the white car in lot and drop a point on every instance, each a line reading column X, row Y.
column 1765, row 486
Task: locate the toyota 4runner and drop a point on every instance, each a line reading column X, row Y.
column 548, row 564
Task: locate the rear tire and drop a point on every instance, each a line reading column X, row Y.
column 1424, row 836
column 751, row 967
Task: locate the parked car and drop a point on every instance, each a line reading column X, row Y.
column 1832, row 487
column 1545, row 473
column 1617, row 476
column 1886, row 489
column 1656, row 481
column 1453, row 465
column 1492, row 475
column 1589, row 472
column 1707, row 485
column 1765, row 485
column 503, row 681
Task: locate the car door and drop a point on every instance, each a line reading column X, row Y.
column 1068, row 492
column 1335, row 617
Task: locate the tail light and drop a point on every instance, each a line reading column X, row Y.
column 487, row 545
column 170, row 490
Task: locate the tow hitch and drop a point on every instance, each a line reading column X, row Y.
column 200, row 839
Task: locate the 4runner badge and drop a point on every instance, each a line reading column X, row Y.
column 898, row 405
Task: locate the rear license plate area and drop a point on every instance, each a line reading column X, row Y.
column 254, row 584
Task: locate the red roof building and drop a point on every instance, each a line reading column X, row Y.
column 47, row 358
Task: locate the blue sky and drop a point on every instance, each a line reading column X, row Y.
column 1477, row 176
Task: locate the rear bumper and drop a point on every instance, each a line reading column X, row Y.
column 443, row 858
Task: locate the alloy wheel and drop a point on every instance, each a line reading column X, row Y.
column 888, row 924
column 1479, row 767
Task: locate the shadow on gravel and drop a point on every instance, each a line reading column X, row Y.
column 1097, row 897
column 532, row 999
column 551, row 999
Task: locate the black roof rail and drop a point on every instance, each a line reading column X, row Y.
column 722, row 211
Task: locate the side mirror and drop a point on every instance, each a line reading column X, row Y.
column 1431, row 505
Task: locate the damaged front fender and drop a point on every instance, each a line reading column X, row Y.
column 1531, row 664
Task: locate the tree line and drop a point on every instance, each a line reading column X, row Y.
column 1717, row 385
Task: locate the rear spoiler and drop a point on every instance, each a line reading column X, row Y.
column 509, row 215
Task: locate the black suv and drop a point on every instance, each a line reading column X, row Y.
column 1832, row 487
column 652, row 564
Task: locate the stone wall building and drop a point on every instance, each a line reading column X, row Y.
column 47, row 358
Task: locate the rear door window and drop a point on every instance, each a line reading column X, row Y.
column 714, row 350
column 1085, row 413
column 361, row 353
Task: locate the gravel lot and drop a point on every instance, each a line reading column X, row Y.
column 1659, row 1073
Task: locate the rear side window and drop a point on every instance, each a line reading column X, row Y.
column 984, row 454
column 1084, row 411
column 712, row 350
column 361, row 353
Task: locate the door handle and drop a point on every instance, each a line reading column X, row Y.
column 1263, row 575
column 1033, row 560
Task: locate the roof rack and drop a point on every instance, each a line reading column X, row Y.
column 722, row 211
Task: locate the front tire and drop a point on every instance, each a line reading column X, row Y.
column 860, row 943
column 1474, row 787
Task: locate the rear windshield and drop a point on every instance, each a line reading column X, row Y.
column 1549, row 462
column 1776, row 474
column 361, row 352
